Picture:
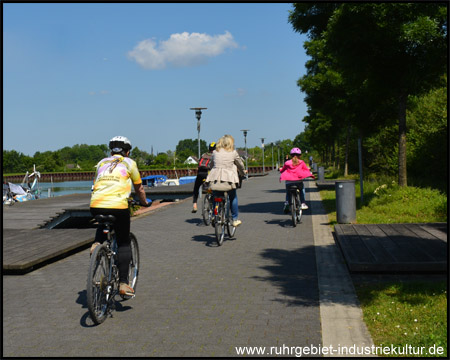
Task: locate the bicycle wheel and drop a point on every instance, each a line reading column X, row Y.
column 293, row 209
column 220, row 225
column 230, row 228
column 206, row 209
column 97, row 284
column 133, row 270
column 299, row 209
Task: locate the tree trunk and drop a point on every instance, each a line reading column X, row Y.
column 333, row 154
column 338, row 155
column 347, row 140
column 402, row 176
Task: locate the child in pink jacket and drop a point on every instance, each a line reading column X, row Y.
column 293, row 171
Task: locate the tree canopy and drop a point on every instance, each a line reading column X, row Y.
column 367, row 60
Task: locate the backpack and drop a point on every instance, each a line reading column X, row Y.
column 204, row 163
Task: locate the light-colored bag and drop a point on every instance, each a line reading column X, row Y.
column 217, row 185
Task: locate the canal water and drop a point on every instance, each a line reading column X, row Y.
column 65, row 188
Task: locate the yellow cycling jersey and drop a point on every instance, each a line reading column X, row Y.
column 112, row 184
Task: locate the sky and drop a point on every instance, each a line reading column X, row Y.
column 82, row 73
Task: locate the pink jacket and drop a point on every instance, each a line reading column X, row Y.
column 292, row 173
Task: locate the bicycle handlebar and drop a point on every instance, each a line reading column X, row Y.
column 137, row 202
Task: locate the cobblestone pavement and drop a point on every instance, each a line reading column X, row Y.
column 193, row 297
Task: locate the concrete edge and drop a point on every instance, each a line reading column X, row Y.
column 340, row 312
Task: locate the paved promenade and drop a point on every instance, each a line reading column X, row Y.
column 265, row 288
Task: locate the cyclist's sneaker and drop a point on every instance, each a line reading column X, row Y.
column 236, row 223
column 194, row 208
column 304, row 206
column 286, row 207
column 126, row 289
column 94, row 245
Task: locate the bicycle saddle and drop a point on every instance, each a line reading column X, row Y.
column 105, row 218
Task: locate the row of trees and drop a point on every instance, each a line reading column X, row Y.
column 378, row 73
column 85, row 157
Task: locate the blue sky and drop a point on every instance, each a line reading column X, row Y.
column 83, row 73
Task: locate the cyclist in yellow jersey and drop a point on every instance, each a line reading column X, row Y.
column 112, row 187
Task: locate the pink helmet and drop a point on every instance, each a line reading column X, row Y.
column 295, row 151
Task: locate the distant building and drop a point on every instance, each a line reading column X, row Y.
column 191, row 160
column 242, row 153
column 72, row 166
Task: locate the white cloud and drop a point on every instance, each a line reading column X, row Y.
column 181, row 50
column 238, row 93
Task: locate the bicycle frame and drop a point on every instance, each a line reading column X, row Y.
column 111, row 248
column 103, row 283
column 295, row 203
column 207, row 210
column 222, row 214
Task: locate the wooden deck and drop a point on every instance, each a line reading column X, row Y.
column 25, row 250
column 394, row 248
column 27, row 246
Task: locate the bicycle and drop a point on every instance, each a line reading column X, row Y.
column 207, row 205
column 103, row 274
column 222, row 217
column 295, row 203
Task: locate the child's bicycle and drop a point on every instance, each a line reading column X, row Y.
column 222, row 216
column 103, row 275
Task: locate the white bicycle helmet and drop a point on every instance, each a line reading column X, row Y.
column 119, row 143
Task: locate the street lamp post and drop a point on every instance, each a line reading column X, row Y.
column 262, row 145
column 271, row 144
column 198, row 115
column 278, row 158
column 245, row 131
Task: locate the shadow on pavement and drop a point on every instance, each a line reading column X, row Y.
column 280, row 191
column 275, row 207
column 209, row 240
column 85, row 320
column 196, row 221
column 294, row 273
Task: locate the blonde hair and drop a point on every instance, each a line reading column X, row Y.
column 295, row 160
column 226, row 142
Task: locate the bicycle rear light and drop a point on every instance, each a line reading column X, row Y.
column 218, row 199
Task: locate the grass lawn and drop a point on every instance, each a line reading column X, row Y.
column 400, row 313
column 386, row 203
column 409, row 313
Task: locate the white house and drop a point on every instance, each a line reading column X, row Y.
column 191, row 160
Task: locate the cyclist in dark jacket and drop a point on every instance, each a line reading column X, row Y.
column 203, row 168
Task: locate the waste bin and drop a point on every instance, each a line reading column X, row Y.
column 345, row 201
column 321, row 173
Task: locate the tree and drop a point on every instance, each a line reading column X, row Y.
column 427, row 136
column 162, row 159
column 383, row 52
column 397, row 49
column 14, row 161
column 189, row 147
column 141, row 157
